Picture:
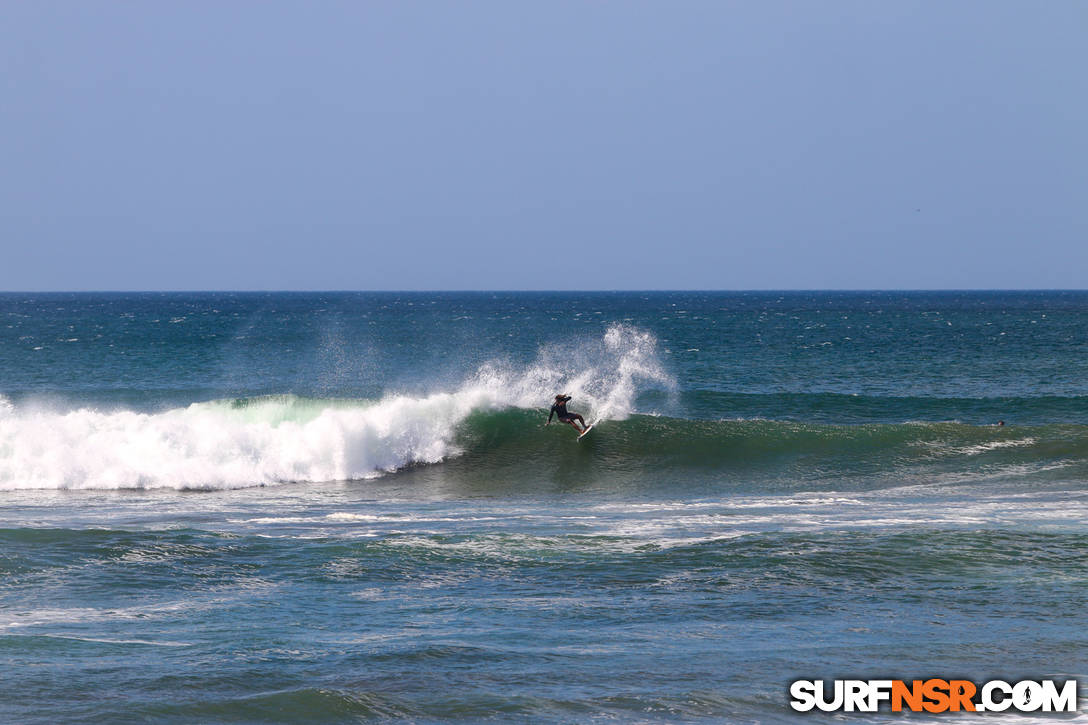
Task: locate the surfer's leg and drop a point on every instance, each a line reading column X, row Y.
column 580, row 419
column 573, row 424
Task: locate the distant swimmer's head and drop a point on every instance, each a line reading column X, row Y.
column 1001, row 422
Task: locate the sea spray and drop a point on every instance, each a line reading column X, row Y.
column 272, row 439
column 602, row 374
column 779, row 510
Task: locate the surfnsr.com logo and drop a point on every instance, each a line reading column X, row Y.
column 934, row 695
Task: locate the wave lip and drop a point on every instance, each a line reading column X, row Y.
column 258, row 441
column 223, row 445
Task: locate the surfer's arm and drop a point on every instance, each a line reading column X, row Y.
column 550, row 414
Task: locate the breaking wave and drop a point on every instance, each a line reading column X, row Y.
column 257, row 441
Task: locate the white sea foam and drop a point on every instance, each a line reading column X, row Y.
column 221, row 445
column 993, row 445
column 215, row 446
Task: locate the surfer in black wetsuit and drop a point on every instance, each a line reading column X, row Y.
column 560, row 408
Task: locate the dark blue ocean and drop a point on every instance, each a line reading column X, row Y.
column 341, row 507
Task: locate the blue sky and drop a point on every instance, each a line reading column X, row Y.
column 548, row 145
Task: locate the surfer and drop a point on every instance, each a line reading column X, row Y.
column 560, row 408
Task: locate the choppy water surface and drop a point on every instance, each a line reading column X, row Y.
column 332, row 507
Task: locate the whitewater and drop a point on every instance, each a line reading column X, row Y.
column 286, row 438
column 342, row 507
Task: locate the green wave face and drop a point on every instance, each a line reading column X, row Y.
column 477, row 438
column 641, row 451
column 830, row 407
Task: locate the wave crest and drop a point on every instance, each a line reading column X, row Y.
column 247, row 442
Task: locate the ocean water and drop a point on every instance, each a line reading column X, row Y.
column 343, row 507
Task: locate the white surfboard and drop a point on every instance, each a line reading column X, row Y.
column 586, row 431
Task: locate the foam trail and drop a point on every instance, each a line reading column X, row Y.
column 232, row 444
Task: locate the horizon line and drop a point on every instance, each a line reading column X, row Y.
column 544, row 291
column 768, row 290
